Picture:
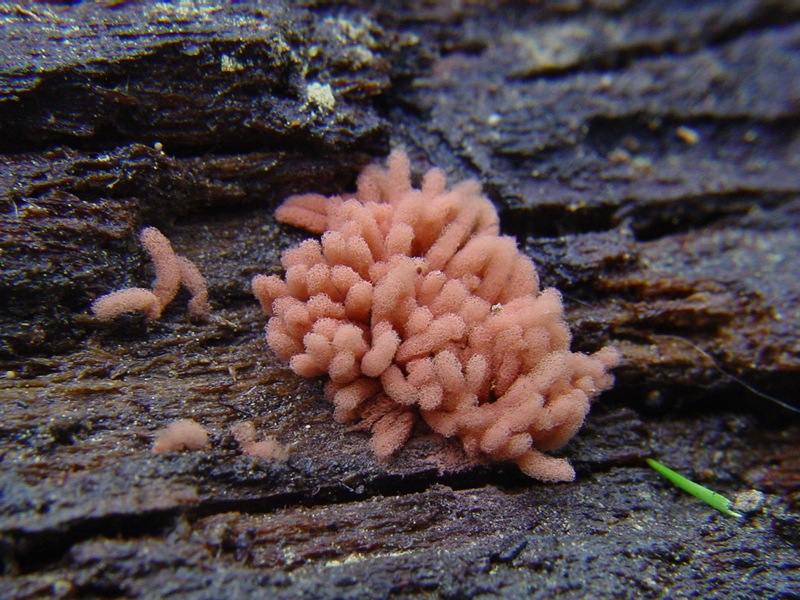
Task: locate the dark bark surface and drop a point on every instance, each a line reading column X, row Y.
column 645, row 154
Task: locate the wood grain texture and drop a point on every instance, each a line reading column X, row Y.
column 643, row 153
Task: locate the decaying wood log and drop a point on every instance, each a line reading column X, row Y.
column 643, row 153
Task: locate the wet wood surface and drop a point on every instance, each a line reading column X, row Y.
column 645, row 154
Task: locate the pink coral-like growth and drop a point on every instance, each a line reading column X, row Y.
column 413, row 304
column 172, row 271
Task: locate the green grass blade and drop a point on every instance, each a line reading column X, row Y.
column 718, row 501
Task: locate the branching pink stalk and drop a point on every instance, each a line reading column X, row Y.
column 172, row 271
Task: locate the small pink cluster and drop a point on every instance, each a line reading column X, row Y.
column 267, row 448
column 172, row 271
column 184, row 434
column 414, row 305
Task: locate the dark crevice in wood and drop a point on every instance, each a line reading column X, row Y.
column 27, row 551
